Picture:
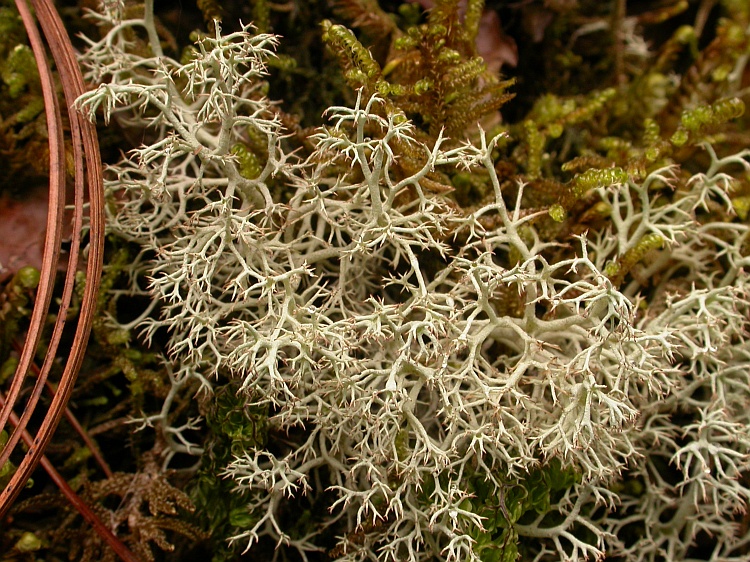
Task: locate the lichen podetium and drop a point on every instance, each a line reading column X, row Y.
column 525, row 339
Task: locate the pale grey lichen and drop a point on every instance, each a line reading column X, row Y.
column 407, row 379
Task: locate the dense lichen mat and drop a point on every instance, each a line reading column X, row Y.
column 376, row 292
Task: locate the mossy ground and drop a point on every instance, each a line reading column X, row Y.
column 595, row 95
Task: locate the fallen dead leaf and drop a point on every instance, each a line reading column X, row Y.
column 22, row 230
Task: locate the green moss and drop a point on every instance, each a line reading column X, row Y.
column 16, row 300
column 19, row 70
column 521, row 501
column 222, row 510
column 433, row 71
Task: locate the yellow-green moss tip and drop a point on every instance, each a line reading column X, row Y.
column 557, row 213
column 250, row 165
column 741, row 206
column 591, row 179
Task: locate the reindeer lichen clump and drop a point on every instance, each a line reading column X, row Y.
column 551, row 370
